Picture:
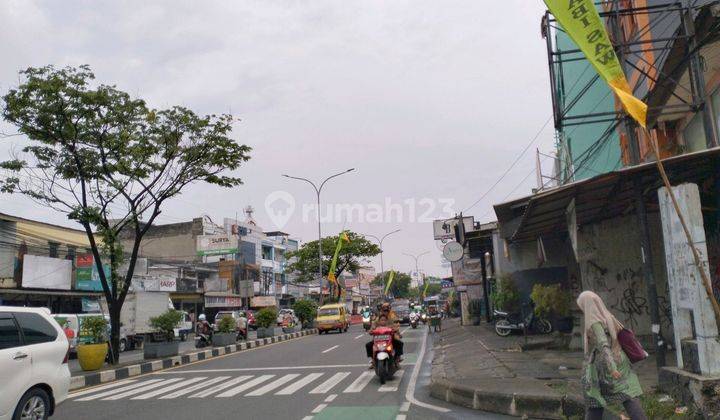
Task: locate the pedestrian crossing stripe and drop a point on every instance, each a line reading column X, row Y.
column 244, row 385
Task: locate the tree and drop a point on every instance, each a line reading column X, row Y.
column 306, row 311
column 352, row 255
column 110, row 162
column 400, row 287
column 433, row 289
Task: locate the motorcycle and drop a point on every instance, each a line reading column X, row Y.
column 366, row 321
column 414, row 320
column 384, row 353
column 506, row 323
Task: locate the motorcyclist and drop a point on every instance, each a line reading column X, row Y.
column 394, row 323
column 202, row 326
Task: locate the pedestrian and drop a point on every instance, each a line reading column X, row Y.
column 607, row 376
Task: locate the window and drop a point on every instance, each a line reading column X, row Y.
column 9, row 334
column 35, row 328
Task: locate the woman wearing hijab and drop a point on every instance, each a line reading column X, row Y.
column 607, row 375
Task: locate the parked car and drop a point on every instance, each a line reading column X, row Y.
column 34, row 355
column 185, row 327
column 283, row 312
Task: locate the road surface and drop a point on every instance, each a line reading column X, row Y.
column 318, row 377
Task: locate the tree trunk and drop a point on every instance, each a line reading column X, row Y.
column 114, row 354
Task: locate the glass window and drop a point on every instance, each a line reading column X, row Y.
column 35, row 328
column 9, row 334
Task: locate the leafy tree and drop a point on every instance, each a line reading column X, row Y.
column 266, row 317
column 306, row 311
column 110, row 162
column 166, row 323
column 352, row 255
column 416, row 292
column 400, row 287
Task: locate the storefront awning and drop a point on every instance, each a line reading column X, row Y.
column 602, row 197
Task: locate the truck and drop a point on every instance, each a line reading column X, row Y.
column 135, row 316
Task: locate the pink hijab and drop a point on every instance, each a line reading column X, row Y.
column 594, row 311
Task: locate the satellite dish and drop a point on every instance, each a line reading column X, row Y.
column 453, row 251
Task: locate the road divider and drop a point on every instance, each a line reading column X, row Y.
column 111, row 375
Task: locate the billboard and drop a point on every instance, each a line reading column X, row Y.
column 216, row 244
column 46, row 272
column 87, row 276
column 445, row 229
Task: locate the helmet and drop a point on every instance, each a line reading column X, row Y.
column 202, row 317
column 385, row 305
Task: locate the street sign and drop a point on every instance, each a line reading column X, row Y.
column 453, row 251
column 445, row 229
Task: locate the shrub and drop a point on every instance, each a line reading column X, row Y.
column 266, row 317
column 306, row 311
column 166, row 323
column 226, row 324
column 475, row 307
column 551, row 300
column 94, row 327
column 506, row 296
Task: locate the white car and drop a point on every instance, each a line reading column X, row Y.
column 34, row 363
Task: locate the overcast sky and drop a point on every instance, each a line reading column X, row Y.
column 428, row 100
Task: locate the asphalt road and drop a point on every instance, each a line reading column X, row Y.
column 318, row 376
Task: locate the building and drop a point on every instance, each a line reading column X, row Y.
column 42, row 264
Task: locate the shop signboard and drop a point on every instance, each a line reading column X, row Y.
column 262, row 301
column 46, row 272
column 223, row 301
column 87, row 276
column 216, row 244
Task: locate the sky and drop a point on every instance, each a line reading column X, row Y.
column 429, row 102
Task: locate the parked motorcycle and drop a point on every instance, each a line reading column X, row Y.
column 384, row 353
column 506, row 323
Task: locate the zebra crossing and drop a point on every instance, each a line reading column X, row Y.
column 236, row 386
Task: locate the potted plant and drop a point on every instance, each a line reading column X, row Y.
column 506, row 296
column 475, row 308
column 306, row 311
column 226, row 334
column 553, row 303
column 266, row 319
column 163, row 343
column 92, row 342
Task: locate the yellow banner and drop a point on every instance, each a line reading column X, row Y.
column 582, row 23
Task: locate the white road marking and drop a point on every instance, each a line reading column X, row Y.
column 291, row 389
column 330, row 383
column 220, row 387
column 400, row 417
column 273, row 385
column 319, row 408
column 169, row 388
column 319, row 367
column 360, row 382
column 330, row 349
column 307, row 418
column 330, row 398
column 125, row 388
column 392, row 387
column 101, row 388
column 194, row 388
column 359, row 336
column 405, row 406
column 141, row 389
column 244, row 387
column 410, row 390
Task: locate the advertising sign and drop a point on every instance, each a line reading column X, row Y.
column 216, row 245
column 445, row 229
column 223, row 301
column 87, row 276
column 46, row 272
column 262, row 301
column 446, row 283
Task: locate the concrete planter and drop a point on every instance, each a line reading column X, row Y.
column 288, row 330
column 161, row 349
column 223, row 339
column 92, row 356
column 265, row 332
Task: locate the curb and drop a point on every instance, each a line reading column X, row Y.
column 96, row 378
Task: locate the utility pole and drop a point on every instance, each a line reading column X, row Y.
column 317, row 192
column 640, row 210
column 416, row 257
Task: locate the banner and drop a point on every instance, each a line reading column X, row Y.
column 391, row 276
column 582, row 23
column 333, row 264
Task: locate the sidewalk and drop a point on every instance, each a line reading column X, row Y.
column 476, row 368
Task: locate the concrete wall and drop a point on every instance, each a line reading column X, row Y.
column 176, row 241
column 611, row 265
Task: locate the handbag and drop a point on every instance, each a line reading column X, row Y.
column 631, row 346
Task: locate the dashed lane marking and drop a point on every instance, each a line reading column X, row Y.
column 330, row 349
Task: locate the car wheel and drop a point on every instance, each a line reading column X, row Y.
column 123, row 345
column 34, row 405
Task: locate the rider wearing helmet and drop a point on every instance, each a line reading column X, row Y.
column 202, row 326
column 392, row 321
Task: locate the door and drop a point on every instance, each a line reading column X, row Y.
column 15, row 364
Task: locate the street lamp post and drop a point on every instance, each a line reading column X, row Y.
column 317, row 192
column 416, row 257
column 380, row 242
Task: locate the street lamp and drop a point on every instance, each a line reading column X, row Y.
column 317, row 192
column 380, row 242
column 416, row 257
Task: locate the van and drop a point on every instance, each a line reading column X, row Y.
column 332, row 317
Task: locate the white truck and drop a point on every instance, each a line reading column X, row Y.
column 135, row 316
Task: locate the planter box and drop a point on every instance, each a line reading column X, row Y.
column 223, row 339
column 288, row 330
column 564, row 325
column 265, row 332
column 161, row 349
